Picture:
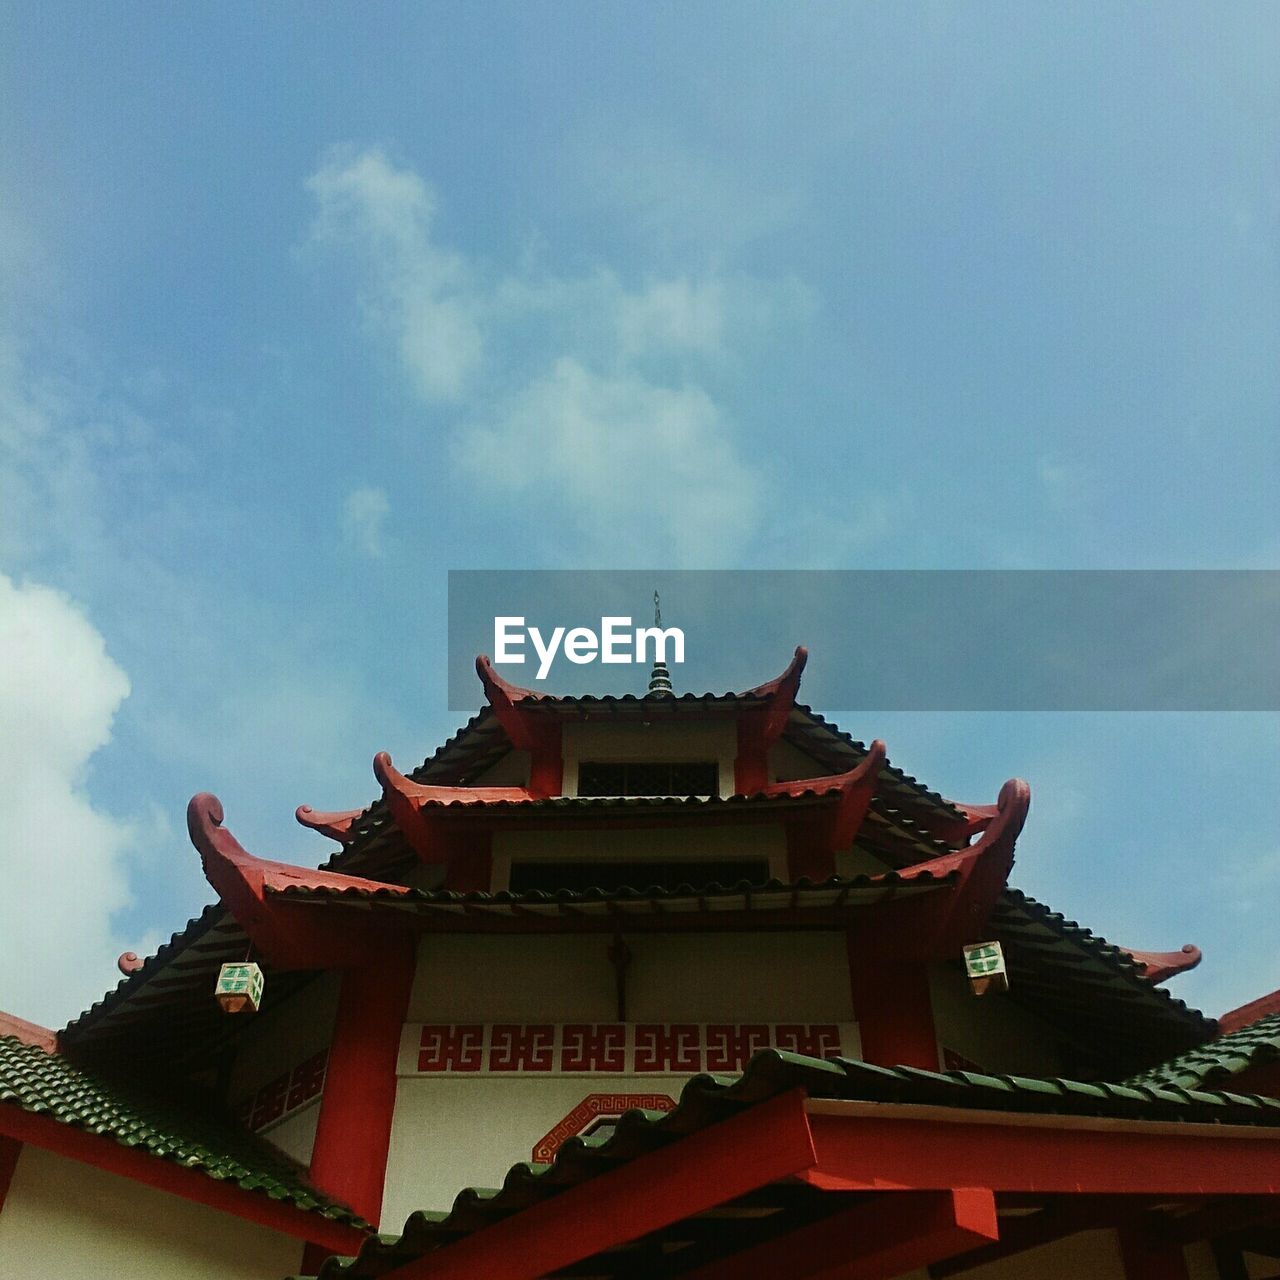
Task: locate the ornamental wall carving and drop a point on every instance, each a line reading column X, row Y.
column 610, row 1048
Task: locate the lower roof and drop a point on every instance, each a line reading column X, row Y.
column 170, row 1128
column 706, row 1100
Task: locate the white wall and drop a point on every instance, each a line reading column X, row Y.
column 450, row 1132
column 693, row 977
column 64, row 1220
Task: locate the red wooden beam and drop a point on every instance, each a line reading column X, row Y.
column 893, row 1007
column 887, row 1235
column 695, row 1173
column 179, row 1180
column 353, row 1133
column 862, row 1148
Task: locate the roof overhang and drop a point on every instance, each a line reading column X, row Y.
column 807, row 1187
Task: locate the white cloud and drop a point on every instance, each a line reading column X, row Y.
column 61, row 859
column 420, row 293
column 565, row 440
column 588, row 379
column 364, row 517
column 679, row 314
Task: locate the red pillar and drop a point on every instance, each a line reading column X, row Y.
column 892, row 1005
column 349, row 1159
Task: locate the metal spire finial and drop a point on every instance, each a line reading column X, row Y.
column 660, row 677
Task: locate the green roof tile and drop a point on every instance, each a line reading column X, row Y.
column 1220, row 1059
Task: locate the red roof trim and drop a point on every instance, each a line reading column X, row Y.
column 1159, row 966
column 287, row 939
column 337, row 826
column 781, row 693
column 1247, row 1014
column 29, row 1032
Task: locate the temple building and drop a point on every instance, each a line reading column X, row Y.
column 623, row 988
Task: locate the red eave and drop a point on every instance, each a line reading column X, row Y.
column 288, row 940
column 1159, row 966
column 337, row 826
column 28, row 1032
column 1247, row 1014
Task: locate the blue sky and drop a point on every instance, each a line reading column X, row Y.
column 301, row 308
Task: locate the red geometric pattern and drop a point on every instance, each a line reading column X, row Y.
column 285, row 1094
column 596, row 1106
column 594, row 1047
column 663, row 1048
column 729, row 1048
column 611, row 1048
column 445, row 1048
column 518, row 1048
column 812, row 1041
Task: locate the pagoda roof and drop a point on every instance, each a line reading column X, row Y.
column 54, row 1088
column 902, row 807
column 816, row 905
column 1057, row 968
column 785, row 1203
column 1092, row 988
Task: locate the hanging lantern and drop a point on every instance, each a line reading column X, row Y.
column 984, row 963
column 239, row 988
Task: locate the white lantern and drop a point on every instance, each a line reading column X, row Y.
column 239, row 988
column 984, row 963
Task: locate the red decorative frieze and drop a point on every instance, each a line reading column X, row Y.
column 600, row 1046
column 729, row 1048
column 814, row 1041
column 519, row 1048
column 306, row 1081
column 611, row 1048
column 675, row 1048
column 285, row 1094
column 590, row 1112
column 451, row 1048
column 268, row 1105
